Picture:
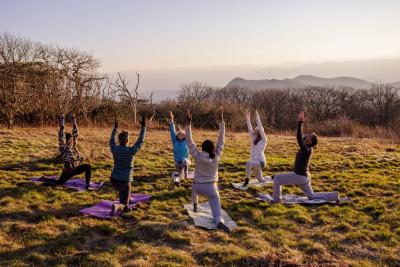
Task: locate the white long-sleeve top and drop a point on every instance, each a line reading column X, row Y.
column 257, row 151
column 206, row 168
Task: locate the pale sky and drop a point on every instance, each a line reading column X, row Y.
column 164, row 34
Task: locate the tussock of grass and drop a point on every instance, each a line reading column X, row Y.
column 41, row 225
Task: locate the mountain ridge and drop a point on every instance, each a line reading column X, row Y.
column 302, row 81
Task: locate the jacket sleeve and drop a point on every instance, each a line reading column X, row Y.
column 249, row 127
column 139, row 142
column 113, row 144
column 299, row 136
column 75, row 134
column 61, row 141
column 172, row 132
column 191, row 145
column 221, row 139
column 260, row 127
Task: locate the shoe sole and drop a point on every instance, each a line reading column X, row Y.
column 113, row 210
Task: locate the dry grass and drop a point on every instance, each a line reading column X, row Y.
column 41, row 225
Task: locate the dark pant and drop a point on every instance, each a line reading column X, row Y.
column 68, row 173
column 124, row 189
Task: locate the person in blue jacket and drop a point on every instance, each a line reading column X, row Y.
column 123, row 154
column 181, row 151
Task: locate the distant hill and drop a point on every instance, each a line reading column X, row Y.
column 301, row 81
column 396, row 84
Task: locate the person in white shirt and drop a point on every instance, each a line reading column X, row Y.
column 206, row 170
column 257, row 148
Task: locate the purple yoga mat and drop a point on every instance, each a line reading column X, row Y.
column 77, row 184
column 103, row 209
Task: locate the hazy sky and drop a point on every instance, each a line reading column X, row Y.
column 150, row 34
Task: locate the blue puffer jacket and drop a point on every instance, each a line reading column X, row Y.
column 181, row 150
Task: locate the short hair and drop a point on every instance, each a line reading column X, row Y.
column 123, row 137
column 314, row 140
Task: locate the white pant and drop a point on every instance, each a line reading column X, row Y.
column 304, row 182
column 255, row 166
column 209, row 190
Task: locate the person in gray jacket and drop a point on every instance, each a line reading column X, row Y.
column 206, row 170
column 301, row 175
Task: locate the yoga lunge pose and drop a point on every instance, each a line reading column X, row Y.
column 181, row 151
column 257, row 148
column 121, row 176
column 70, row 155
column 301, row 175
column 206, row 170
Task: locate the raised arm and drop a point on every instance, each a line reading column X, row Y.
column 139, row 142
column 299, row 134
column 221, row 134
column 113, row 144
column 248, row 122
column 260, row 126
column 172, row 127
column 221, row 139
column 172, row 131
column 189, row 139
column 75, row 132
column 61, row 141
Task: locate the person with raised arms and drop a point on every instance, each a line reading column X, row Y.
column 70, row 155
column 123, row 154
column 258, row 143
column 181, row 151
column 301, row 175
column 206, row 170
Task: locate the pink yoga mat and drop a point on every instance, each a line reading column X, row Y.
column 103, row 209
column 77, row 184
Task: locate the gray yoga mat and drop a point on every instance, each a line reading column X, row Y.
column 204, row 218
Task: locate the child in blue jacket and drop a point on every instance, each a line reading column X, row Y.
column 181, row 151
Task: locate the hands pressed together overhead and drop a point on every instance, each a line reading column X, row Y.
column 189, row 117
column 301, row 117
column 143, row 121
column 222, row 114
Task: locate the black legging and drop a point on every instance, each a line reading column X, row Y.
column 124, row 190
column 68, row 173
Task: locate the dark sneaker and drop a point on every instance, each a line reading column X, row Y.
column 246, row 182
column 127, row 209
column 223, row 227
column 195, row 207
column 114, row 209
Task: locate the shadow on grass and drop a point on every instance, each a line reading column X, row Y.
column 67, row 248
column 41, row 164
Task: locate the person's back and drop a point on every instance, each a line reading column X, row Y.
column 206, row 168
column 124, row 155
column 123, row 163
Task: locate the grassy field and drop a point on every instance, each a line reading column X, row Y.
column 41, row 225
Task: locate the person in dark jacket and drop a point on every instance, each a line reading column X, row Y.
column 123, row 154
column 301, row 175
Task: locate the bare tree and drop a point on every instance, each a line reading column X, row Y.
column 126, row 94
